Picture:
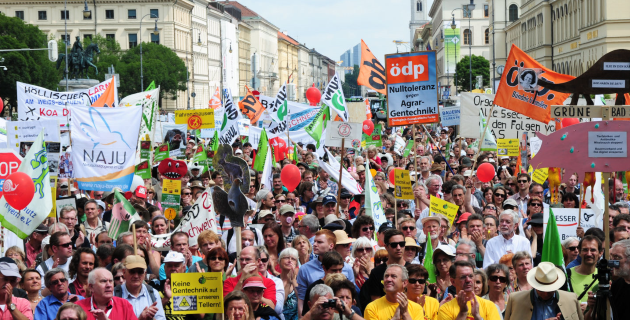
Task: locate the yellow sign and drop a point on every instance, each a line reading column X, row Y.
column 170, row 213
column 195, row 119
column 171, row 187
column 445, row 208
column 195, row 293
column 507, row 147
column 540, row 175
column 53, row 189
column 402, row 185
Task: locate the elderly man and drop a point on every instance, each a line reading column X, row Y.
column 174, row 262
column 249, row 260
column 179, row 243
column 308, row 226
column 103, row 304
column 93, row 224
column 425, row 166
column 394, row 305
column 144, row 299
column 324, row 181
column 12, row 307
column 522, row 263
column 434, row 184
column 545, row 301
column 320, row 295
column 507, row 241
column 466, row 305
column 57, row 282
column 61, row 247
column 466, row 251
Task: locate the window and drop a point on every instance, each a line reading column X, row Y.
column 87, row 36
column 110, row 37
column 466, row 12
column 513, row 12
column 42, row 15
column 418, row 6
column 131, row 14
column 487, row 36
column 155, row 13
column 467, row 39
column 89, row 17
column 109, row 14
column 486, row 10
column 155, row 38
column 65, row 14
column 133, row 40
column 20, row 14
column 65, row 39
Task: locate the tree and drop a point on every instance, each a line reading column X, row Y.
column 31, row 67
column 160, row 64
column 480, row 67
column 350, row 86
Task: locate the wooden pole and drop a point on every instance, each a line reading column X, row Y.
column 483, row 135
column 135, row 241
column 343, row 150
column 239, row 241
column 415, row 150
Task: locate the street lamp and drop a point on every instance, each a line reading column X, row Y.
column 399, row 42
column 471, row 7
column 155, row 32
column 86, row 12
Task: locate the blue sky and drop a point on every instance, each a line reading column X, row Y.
column 332, row 27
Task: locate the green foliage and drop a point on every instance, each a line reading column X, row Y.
column 350, row 86
column 31, row 67
column 480, row 67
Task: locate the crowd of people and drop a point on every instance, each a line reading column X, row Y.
column 314, row 253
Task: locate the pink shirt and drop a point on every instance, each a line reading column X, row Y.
column 31, row 254
column 21, row 304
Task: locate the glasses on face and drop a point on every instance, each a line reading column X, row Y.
column 216, row 258
column 408, row 228
column 535, row 204
column 394, row 245
column 151, row 192
column 58, row 281
column 523, row 181
column 362, row 250
column 66, row 245
column 419, row 281
column 470, row 154
column 366, row 229
column 264, row 260
column 381, row 260
column 491, row 208
column 495, row 278
column 281, row 201
column 572, row 248
column 187, row 193
column 499, row 195
column 136, row 271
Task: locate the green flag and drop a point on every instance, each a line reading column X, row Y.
column 447, row 153
column 428, row 261
column 408, row 148
column 318, row 125
column 261, row 153
column 151, row 86
column 552, row 247
column 123, row 215
column 295, row 154
column 215, row 141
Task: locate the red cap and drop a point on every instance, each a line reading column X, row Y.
column 463, row 217
column 141, row 192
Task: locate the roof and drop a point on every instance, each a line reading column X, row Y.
column 287, row 38
column 245, row 11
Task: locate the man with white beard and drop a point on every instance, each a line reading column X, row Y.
column 506, row 242
column 431, row 228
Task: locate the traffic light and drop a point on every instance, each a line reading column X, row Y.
column 53, row 52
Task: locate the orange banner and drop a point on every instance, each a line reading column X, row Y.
column 251, row 107
column 215, row 101
column 371, row 72
column 518, row 90
column 108, row 98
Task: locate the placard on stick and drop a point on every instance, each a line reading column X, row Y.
column 445, row 208
column 195, row 293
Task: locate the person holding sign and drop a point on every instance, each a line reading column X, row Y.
column 507, row 241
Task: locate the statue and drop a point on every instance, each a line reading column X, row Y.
column 79, row 60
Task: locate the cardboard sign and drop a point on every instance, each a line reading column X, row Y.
column 445, row 208
column 412, row 90
column 337, row 130
column 195, row 119
column 567, row 220
column 375, row 138
column 195, row 293
column 507, row 147
column 402, row 185
column 540, row 175
column 450, row 116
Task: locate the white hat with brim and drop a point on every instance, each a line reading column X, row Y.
column 342, row 237
column 446, row 249
column 431, row 218
column 546, row 277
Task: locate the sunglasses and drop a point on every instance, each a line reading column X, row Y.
column 418, row 281
column 365, row 229
column 281, row 201
column 500, row 195
column 394, row 245
column 523, row 181
column 510, row 184
column 187, row 193
column 470, row 155
column 379, row 261
column 535, row 204
column 66, row 245
column 410, row 228
column 495, row 278
column 572, row 248
column 218, row 259
column 264, row 260
column 491, row 208
column 58, row 281
column 136, row 271
column 366, row 249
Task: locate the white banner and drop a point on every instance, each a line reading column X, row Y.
column 199, row 218
column 504, row 124
column 22, row 134
column 37, row 103
column 334, row 98
column 347, row 181
column 229, row 129
column 279, row 111
column 567, row 220
column 148, row 101
column 295, row 136
column 104, row 146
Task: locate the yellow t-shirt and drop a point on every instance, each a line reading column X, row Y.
column 487, row 310
column 431, row 306
column 381, row 309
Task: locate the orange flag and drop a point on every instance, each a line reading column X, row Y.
column 108, row 98
column 215, row 102
column 251, row 107
column 521, row 73
column 371, row 72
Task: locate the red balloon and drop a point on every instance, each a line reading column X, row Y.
column 290, row 176
column 485, row 172
column 18, row 189
column 313, row 95
column 569, row 122
column 392, row 175
column 368, row 127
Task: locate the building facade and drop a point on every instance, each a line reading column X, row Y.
column 419, row 10
column 288, row 64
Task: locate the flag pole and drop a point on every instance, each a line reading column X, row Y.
column 483, row 135
column 135, row 240
column 343, row 149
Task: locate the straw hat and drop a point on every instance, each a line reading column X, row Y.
column 546, row 277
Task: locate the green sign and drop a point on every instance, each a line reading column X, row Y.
column 375, row 138
column 171, row 201
column 161, row 153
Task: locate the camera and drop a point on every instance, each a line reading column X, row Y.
column 603, row 271
column 331, row 303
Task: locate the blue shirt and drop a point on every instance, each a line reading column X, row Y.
column 143, row 300
column 312, row 271
column 543, row 309
column 47, row 308
column 195, row 259
column 574, row 263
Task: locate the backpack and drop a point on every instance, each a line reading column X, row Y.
column 118, row 292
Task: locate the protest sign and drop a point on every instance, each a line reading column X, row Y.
column 450, row 116
column 143, row 169
column 37, row 103
column 412, row 90
column 175, row 135
column 251, row 107
column 402, row 185
column 65, row 202
column 22, row 134
column 333, row 97
column 507, row 147
column 231, row 116
column 540, row 175
column 161, row 153
column 148, row 101
column 10, row 161
column 445, row 208
column 104, row 147
column 567, row 220
column 337, row 130
column 195, row 119
column 504, row 123
column 171, row 193
column 123, row 215
column 375, row 138
column 197, row 293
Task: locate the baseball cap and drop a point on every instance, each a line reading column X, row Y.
column 510, row 202
column 264, row 213
column 134, row 262
column 174, row 256
column 9, row 268
column 46, row 241
column 385, row 226
column 101, row 204
column 537, row 218
column 329, row 199
column 360, row 168
column 463, row 217
column 238, row 151
column 287, row 208
column 447, row 249
column 254, row 282
column 345, row 194
column 42, row 228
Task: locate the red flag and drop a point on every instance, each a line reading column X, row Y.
column 280, row 148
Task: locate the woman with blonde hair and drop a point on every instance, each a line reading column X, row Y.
column 289, row 265
column 480, row 284
column 362, row 263
column 372, row 157
column 31, row 282
column 18, row 256
column 303, row 247
column 70, row 311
